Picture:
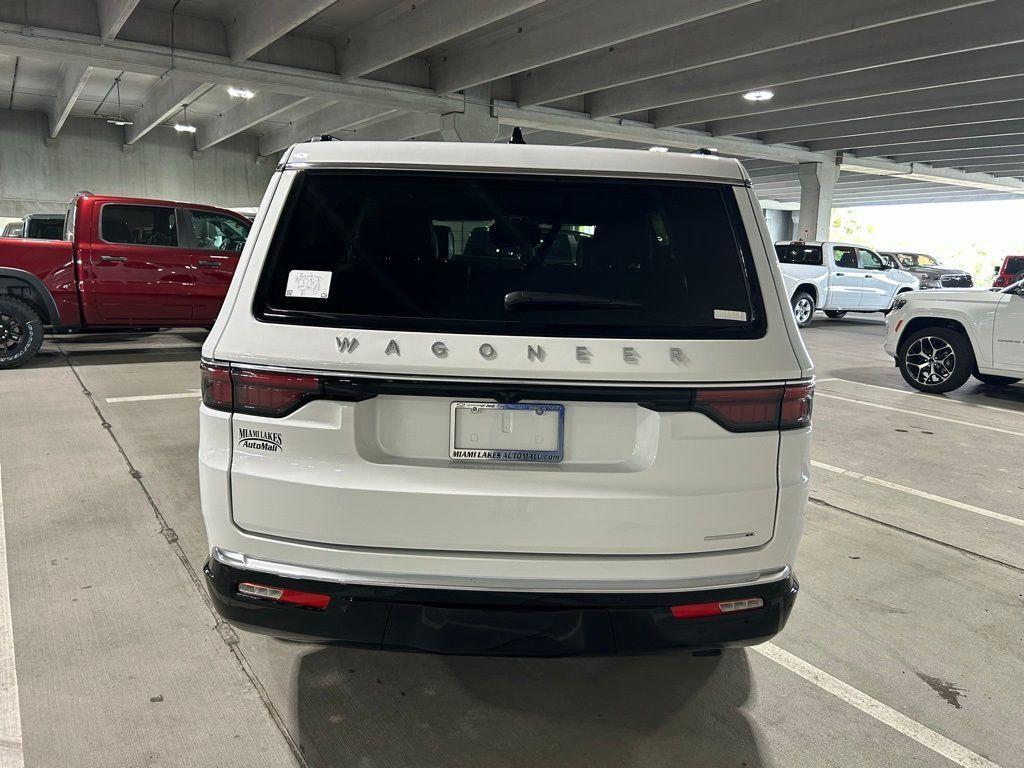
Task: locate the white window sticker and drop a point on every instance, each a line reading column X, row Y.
column 730, row 314
column 308, row 284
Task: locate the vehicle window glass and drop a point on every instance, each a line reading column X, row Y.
column 918, row 260
column 869, row 260
column 844, row 257
column 889, row 261
column 797, row 253
column 216, row 232
column 544, row 255
column 1014, row 266
column 139, row 225
column 46, row 229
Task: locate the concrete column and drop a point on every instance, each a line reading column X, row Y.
column 817, row 185
column 780, row 224
column 475, row 123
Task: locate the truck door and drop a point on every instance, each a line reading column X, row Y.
column 217, row 239
column 878, row 288
column 846, row 279
column 1008, row 334
column 137, row 271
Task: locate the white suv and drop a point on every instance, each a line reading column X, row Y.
column 488, row 398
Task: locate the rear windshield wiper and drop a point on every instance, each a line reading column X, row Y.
column 539, row 300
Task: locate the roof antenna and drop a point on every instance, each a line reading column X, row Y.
column 517, row 136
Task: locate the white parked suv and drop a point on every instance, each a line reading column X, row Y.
column 838, row 278
column 941, row 338
column 489, row 398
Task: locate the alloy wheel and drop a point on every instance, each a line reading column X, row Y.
column 802, row 311
column 930, row 360
column 11, row 333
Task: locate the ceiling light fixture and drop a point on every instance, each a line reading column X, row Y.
column 185, row 126
column 120, row 120
column 240, row 93
column 759, row 95
column 657, row 149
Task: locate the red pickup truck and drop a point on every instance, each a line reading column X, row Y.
column 123, row 262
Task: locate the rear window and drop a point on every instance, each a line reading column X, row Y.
column 515, row 255
column 1014, row 265
column 800, row 254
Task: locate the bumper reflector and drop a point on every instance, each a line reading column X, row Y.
column 287, row 596
column 704, row 610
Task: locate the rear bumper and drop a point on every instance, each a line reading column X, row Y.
column 498, row 623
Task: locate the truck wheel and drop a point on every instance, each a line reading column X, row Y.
column 835, row 314
column 21, row 332
column 995, row 381
column 935, row 360
column 803, row 308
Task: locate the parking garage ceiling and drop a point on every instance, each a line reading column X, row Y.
column 918, row 100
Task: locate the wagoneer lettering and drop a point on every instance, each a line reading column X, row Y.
column 520, row 421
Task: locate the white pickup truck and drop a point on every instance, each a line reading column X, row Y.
column 838, row 278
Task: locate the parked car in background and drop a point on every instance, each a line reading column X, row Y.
column 1011, row 270
column 588, row 444
column 37, row 226
column 929, row 271
column 13, row 229
column 125, row 262
column 838, row 278
column 940, row 339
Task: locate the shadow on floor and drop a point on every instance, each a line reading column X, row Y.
column 377, row 708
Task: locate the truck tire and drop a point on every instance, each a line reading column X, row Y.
column 995, row 381
column 835, row 314
column 21, row 332
column 935, row 360
column 803, row 308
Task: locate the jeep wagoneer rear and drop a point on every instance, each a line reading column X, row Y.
column 505, row 399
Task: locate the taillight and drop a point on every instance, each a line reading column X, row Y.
column 295, row 597
column 258, row 393
column 757, row 408
column 705, row 610
column 741, row 410
column 273, row 394
column 797, row 404
column 216, row 386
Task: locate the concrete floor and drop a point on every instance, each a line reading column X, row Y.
column 914, row 601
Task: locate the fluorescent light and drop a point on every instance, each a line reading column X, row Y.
column 119, row 121
column 760, row 95
column 240, row 93
column 657, row 149
column 184, row 128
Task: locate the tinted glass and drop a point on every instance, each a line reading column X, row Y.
column 216, row 232
column 46, row 229
column 139, row 225
column 799, row 254
column 845, row 257
column 869, row 260
column 512, row 254
column 917, row 260
column 1014, row 266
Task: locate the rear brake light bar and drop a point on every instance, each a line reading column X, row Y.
column 274, row 394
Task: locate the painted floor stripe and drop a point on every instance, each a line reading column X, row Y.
column 922, row 414
column 140, row 398
column 922, row 734
column 915, row 393
column 11, row 753
column 920, row 494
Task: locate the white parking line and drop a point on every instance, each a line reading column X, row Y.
column 922, row 734
column 11, row 752
column 140, row 398
column 915, row 393
column 922, row 414
column 920, row 494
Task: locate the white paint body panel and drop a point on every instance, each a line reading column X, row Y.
column 641, row 501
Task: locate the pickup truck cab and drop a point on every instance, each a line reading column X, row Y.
column 38, row 226
column 496, row 398
column 838, row 278
column 123, row 262
column 928, row 270
column 939, row 339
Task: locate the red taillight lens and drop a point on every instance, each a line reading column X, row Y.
column 216, row 384
column 313, row 600
column 704, row 610
column 273, row 394
column 741, row 410
column 797, row 403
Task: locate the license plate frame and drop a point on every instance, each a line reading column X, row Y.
column 507, row 455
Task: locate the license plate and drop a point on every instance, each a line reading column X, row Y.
column 507, row 432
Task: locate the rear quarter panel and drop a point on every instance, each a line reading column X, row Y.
column 52, row 263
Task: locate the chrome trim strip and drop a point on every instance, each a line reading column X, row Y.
column 411, row 581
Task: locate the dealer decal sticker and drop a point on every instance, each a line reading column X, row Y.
column 260, row 440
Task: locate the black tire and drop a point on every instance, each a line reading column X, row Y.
column 835, row 314
column 803, row 308
column 935, row 360
column 995, row 381
column 21, row 332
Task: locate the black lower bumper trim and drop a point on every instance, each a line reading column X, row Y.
column 498, row 623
